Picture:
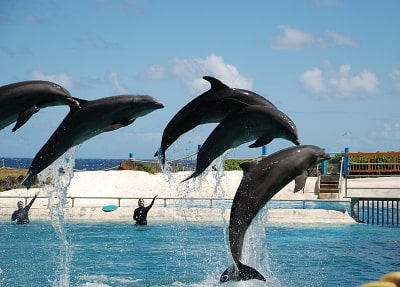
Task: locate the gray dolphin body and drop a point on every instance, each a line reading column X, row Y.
column 19, row 101
column 93, row 118
column 210, row 107
column 260, row 182
column 260, row 123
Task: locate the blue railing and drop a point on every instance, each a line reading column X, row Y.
column 197, row 202
column 379, row 211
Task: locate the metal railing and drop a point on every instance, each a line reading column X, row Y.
column 350, row 188
column 188, row 202
column 379, row 211
column 374, row 163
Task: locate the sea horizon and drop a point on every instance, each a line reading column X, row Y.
column 80, row 163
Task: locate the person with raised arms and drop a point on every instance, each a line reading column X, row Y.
column 140, row 213
column 21, row 214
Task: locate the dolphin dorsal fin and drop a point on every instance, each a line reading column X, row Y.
column 215, row 83
column 247, row 166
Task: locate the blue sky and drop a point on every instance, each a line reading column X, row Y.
column 332, row 66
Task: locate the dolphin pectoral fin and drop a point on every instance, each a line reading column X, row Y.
column 300, row 181
column 118, row 125
column 261, row 142
column 160, row 153
column 195, row 174
column 24, row 117
column 28, row 180
column 240, row 272
column 113, row 127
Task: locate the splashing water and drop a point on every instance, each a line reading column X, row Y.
column 254, row 254
column 57, row 178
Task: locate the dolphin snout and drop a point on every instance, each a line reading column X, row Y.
column 159, row 105
column 326, row 156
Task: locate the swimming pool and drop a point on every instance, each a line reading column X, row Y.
column 172, row 254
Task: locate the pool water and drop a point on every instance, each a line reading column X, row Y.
column 172, row 254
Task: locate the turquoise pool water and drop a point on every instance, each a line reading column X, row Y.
column 110, row 254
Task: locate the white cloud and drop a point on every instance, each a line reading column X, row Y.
column 61, row 78
column 395, row 76
column 155, row 71
column 313, row 81
column 346, row 83
column 391, row 131
column 340, row 85
column 113, row 78
column 342, row 40
column 294, row 39
column 191, row 72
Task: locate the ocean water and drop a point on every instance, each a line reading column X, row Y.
column 79, row 164
column 59, row 253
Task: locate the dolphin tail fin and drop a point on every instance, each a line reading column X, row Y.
column 240, row 272
column 28, row 180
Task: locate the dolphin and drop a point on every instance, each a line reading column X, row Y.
column 19, row 101
column 260, row 123
column 260, row 182
column 93, row 118
column 210, row 107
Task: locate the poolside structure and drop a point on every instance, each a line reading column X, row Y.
column 381, row 206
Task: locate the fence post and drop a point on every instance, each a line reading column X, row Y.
column 353, row 202
column 323, row 165
column 264, row 151
column 346, row 162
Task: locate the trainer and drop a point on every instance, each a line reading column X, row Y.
column 140, row 213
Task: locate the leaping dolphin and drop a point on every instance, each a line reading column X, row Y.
column 93, row 118
column 19, row 101
column 260, row 182
column 260, row 123
column 210, row 107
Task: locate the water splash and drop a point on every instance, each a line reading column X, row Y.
column 57, row 178
column 255, row 252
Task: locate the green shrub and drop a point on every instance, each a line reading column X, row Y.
column 233, row 164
